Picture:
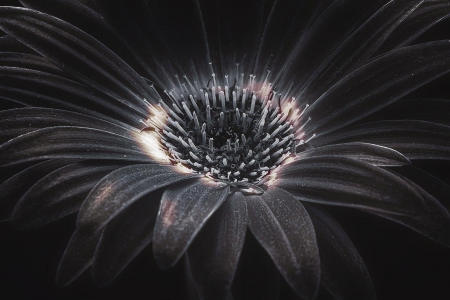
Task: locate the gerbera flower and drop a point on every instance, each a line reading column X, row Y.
column 184, row 127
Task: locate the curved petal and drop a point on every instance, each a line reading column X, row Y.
column 70, row 142
column 377, row 84
column 414, row 139
column 358, row 47
column 29, row 61
column 13, row 189
column 36, row 88
column 58, row 194
column 10, row 44
column 78, row 256
column 282, row 226
column 123, row 238
column 15, row 122
column 214, row 254
column 427, row 109
column 184, row 210
column 432, row 221
column 373, row 154
column 427, row 15
column 77, row 53
column 121, row 188
column 343, row 274
column 348, row 182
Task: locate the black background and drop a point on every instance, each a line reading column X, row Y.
column 403, row 264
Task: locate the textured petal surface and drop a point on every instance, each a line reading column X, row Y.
column 414, row 139
column 77, row 256
column 214, row 254
column 121, row 188
column 70, row 142
column 343, row 274
column 282, row 226
column 347, row 182
column 29, row 61
column 373, row 154
column 58, row 194
column 123, row 238
column 184, row 210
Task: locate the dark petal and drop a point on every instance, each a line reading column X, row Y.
column 184, row 210
column 348, row 182
column 58, row 194
column 13, row 189
column 123, row 238
column 80, row 14
column 427, row 15
column 15, row 122
column 214, row 254
column 343, row 274
column 29, row 61
column 414, row 139
column 77, row 53
column 429, row 109
column 77, row 256
column 121, row 188
column 70, row 142
column 10, row 44
column 358, row 47
column 35, row 88
column 432, row 221
column 149, row 30
column 377, row 84
column 373, row 154
column 282, row 226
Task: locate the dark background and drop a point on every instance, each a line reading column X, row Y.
column 403, row 264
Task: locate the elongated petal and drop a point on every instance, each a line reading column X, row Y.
column 343, row 274
column 282, row 226
column 377, row 84
column 414, row 139
column 77, row 53
column 58, row 194
column 427, row 15
column 357, row 48
column 15, row 187
column 15, row 122
column 37, row 88
column 432, row 221
column 123, row 238
column 348, row 182
column 10, row 44
column 373, row 154
column 69, row 142
column 184, row 210
column 29, row 61
column 427, row 109
column 77, row 257
column 121, row 188
column 214, row 254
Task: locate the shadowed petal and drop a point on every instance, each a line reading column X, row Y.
column 77, row 53
column 373, row 154
column 13, row 189
column 70, row 142
column 348, row 182
column 15, row 122
column 58, row 194
column 343, row 274
column 398, row 73
column 29, row 61
column 282, row 226
column 78, row 256
column 184, row 210
column 432, row 221
column 214, row 254
column 123, row 238
column 414, row 139
column 121, row 188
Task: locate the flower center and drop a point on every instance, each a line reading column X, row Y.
column 236, row 135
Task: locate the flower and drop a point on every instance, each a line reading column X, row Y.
column 257, row 133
